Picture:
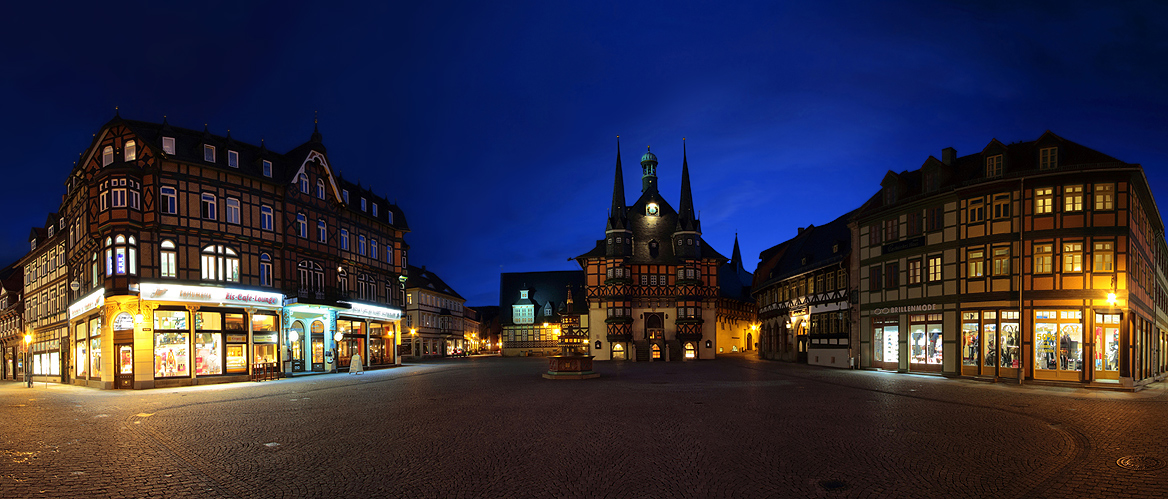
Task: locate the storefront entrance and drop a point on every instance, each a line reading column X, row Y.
column 925, row 347
column 886, row 344
column 318, row 346
column 124, row 371
column 1107, row 346
column 296, row 336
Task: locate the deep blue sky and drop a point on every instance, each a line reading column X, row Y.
column 493, row 123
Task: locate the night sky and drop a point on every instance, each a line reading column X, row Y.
column 494, row 124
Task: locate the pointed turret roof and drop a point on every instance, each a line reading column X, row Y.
column 685, row 213
column 617, row 218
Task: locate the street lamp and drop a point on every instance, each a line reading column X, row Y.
column 414, row 341
column 27, row 358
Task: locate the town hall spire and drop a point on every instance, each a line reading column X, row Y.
column 616, row 215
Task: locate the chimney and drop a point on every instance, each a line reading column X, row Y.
column 948, row 155
column 800, row 230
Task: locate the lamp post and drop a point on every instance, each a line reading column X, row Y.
column 27, row 358
column 413, row 341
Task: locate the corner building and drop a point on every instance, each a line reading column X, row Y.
column 653, row 281
column 194, row 258
column 1040, row 259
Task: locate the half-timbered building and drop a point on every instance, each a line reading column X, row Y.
column 803, row 290
column 195, row 258
column 12, row 333
column 653, row 281
column 435, row 316
column 1039, row 260
column 530, row 307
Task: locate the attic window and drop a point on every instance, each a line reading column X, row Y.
column 523, row 294
column 994, row 166
column 233, row 159
column 168, row 145
column 345, row 195
column 208, row 153
column 804, row 261
column 835, row 248
column 374, row 209
column 267, row 168
column 547, row 309
column 107, row 155
column 1048, row 158
column 890, row 194
column 131, row 150
column 363, row 208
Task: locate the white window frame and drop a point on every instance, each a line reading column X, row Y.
column 267, row 168
column 232, row 211
column 130, row 152
column 208, row 153
column 232, row 159
column 266, row 217
column 208, row 205
column 168, row 145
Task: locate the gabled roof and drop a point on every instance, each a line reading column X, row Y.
column 188, row 147
column 420, row 278
column 543, row 288
column 813, row 248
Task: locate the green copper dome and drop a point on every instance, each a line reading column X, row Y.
column 649, row 156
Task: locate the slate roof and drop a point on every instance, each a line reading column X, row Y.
column 1019, row 159
column 813, row 248
column 543, row 287
column 188, row 147
column 421, row 278
column 733, row 279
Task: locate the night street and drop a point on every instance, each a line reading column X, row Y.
column 491, row 427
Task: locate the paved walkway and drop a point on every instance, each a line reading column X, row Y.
column 492, row 427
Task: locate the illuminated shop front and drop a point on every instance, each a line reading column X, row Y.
column 85, row 322
column 371, row 330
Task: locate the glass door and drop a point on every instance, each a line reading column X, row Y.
column 1107, row 346
column 886, row 345
column 1008, row 341
column 124, row 371
column 970, row 343
column 296, row 336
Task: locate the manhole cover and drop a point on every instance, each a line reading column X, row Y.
column 1139, row 463
column 833, row 485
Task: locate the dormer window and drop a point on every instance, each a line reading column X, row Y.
column 522, row 292
column 889, row 194
column 345, row 195
column 374, row 209
column 363, row 208
column 131, row 150
column 107, row 155
column 267, row 168
column 1048, row 158
column 547, row 309
column 994, row 166
column 232, row 159
column 208, row 153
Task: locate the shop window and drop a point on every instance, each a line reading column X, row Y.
column 1104, row 197
column 1073, row 198
column 208, row 343
column 989, row 329
column 1104, row 255
column 1107, row 341
column 168, row 260
column 970, row 336
column 171, row 333
column 1047, row 158
column 266, row 221
column 1043, row 201
column 925, row 344
column 131, row 150
column 121, row 255
column 1043, row 258
column 220, row 263
column 976, row 261
column 886, row 343
column 1010, row 339
column 1073, row 257
column 1058, row 341
column 169, row 203
column 1001, row 261
column 265, row 270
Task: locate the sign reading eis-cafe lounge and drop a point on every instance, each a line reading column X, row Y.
column 201, row 294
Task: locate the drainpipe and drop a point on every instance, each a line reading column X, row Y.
column 1021, row 280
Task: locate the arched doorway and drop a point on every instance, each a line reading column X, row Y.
column 654, row 327
column 296, row 341
column 691, row 351
column 749, row 342
column 655, row 351
column 618, row 351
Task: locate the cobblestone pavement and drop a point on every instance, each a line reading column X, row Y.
column 492, row 427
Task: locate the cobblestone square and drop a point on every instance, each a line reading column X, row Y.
column 492, row 427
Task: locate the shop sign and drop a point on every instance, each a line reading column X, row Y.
column 94, row 300
column 370, row 311
column 903, row 310
column 798, row 311
column 222, row 296
column 238, row 338
column 123, row 322
column 263, row 338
